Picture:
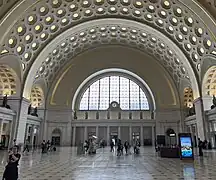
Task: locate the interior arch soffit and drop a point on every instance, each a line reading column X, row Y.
column 96, row 36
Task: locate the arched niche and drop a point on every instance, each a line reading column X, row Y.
column 37, row 96
column 188, row 97
column 9, row 82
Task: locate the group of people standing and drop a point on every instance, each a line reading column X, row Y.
column 47, row 146
column 90, row 146
column 126, row 146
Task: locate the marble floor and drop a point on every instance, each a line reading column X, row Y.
column 65, row 164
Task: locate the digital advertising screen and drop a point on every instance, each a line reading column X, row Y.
column 186, row 147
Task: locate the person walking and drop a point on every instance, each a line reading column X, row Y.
column 200, row 145
column 26, row 148
column 43, row 146
column 112, row 146
column 126, row 146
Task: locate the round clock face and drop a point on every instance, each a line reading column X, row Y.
column 114, row 105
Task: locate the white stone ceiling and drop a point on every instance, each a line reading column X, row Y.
column 47, row 19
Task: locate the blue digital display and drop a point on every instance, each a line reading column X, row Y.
column 186, row 147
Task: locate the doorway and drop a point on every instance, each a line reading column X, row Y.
column 56, row 140
column 56, row 137
column 114, row 135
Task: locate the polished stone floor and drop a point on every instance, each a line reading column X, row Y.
column 65, row 164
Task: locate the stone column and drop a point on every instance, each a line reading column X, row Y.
column 130, row 135
column 85, row 133
column 108, row 135
column 1, row 130
column 15, row 104
column 74, row 135
column 26, row 132
column 97, row 131
column 21, row 124
column 200, row 119
column 38, row 136
column 43, row 125
column 192, row 134
column 212, row 134
column 119, row 132
column 68, row 130
column 32, row 135
column 141, row 136
column 153, row 136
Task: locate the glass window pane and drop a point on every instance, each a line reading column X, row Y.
column 124, row 93
column 108, row 89
column 94, row 96
column 104, row 94
column 114, row 89
column 143, row 101
column 84, row 101
column 134, row 96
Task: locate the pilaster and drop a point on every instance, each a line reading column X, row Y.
column 141, row 136
column 22, row 119
column 200, row 118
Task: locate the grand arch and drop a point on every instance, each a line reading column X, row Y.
column 134, row 36
column 39, row 25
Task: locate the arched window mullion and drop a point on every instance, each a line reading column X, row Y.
column 89, row 97
column 115, row 88
column 99, row 96
column 139, row 100
column 129, row 95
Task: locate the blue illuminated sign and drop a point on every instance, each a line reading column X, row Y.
column 186, row 147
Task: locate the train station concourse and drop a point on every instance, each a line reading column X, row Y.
column 108, row 70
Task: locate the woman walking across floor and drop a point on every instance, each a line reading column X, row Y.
column 11, row 170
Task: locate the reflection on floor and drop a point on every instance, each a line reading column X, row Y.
column 65, row 164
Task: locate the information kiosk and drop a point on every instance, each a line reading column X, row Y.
column 186, row 146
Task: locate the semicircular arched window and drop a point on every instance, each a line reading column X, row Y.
column 100, row 94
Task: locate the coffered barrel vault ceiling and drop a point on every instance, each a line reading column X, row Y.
column 112, row 34
column 45, row 20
